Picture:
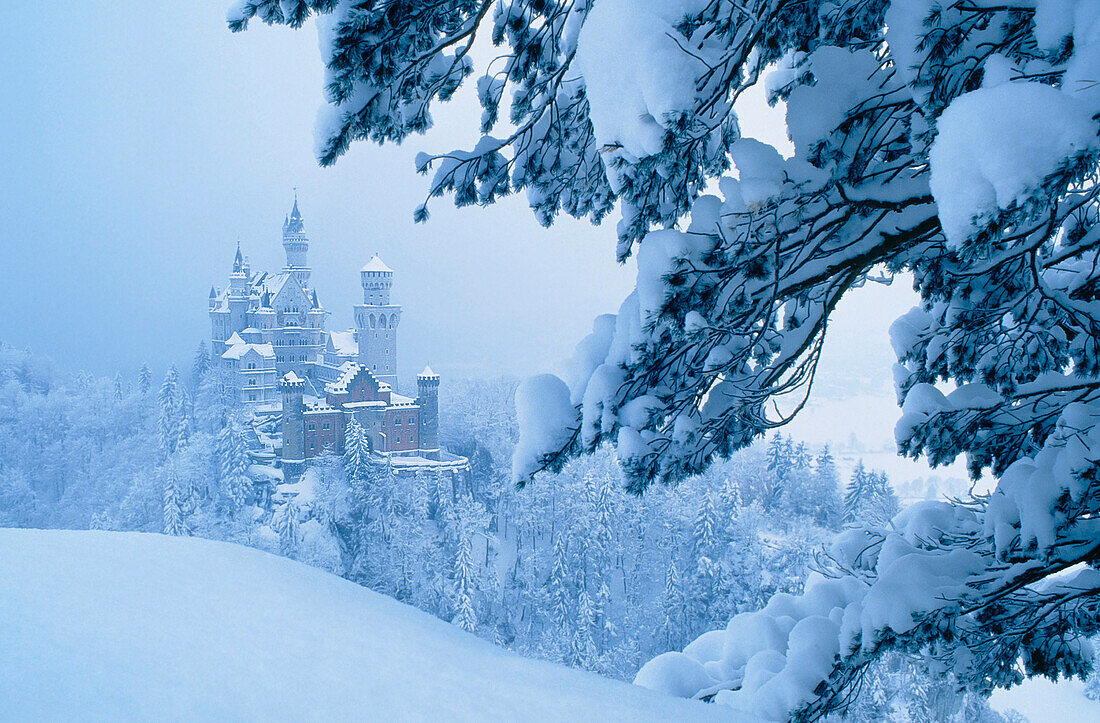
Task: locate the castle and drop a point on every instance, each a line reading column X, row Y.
column 269, row 332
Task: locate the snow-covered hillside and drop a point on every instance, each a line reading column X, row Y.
column 106, row 625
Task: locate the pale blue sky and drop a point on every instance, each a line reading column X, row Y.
column 140, row 144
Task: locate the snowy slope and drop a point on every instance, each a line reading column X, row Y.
column 105, row 625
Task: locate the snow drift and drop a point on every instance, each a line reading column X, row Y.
column 108, row 625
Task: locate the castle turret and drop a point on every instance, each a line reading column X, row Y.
column 296, row 245
column 294, row 429
column 427, row 387
column 237, row 295
column 376, row 321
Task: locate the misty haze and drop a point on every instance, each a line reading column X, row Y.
column 550, row 360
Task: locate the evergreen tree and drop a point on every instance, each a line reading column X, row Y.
column 883, row 503
column 182, row 415
column 602, row 605
column 801, row 457
column 560, row 584
column 145, row 379
column 232, row 458
column 465, row 616
column 583, row 650
column 704, row 530
column 672, row 605
column 216, row 400
column 357, row 451
column 169, row 412
column 859, row 495
column 914, row 130
column 175, row 522
column 200, row 366
column 603, row 527
column 118, row 386
column 285, row 524
column 826, row 491
column 730, row 495
column 780, row 456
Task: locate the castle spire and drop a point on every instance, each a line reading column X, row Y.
column 296, row 244
column 238, row 260
column 293, row 222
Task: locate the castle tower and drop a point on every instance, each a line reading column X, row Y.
column 376, row 321
column 296, row 245
column 427, row 387
column 237, row 295
column 294, row 428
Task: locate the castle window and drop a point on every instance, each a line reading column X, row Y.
column 312, row 427
column 398, row 421
column 325, row 425
column 251, row 397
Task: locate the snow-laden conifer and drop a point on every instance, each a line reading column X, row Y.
column 463, row 586
column 200, row 365
column 357, row 450
column 175, row 521
column 231, row 453
column 285, row 523
column 954, row 144
column 168, row 401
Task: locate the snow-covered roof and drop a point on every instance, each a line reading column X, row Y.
column 237, row 351
column 292, row 378
column 348, row 370
column 377, row 265
column 364, row 405
column 399, row 399
column 274, row 283
column 428, row 373
column 344, row 342
column 235, row 339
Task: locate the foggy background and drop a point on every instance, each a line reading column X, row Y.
column 141, row 144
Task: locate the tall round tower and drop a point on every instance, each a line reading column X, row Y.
column 296, row 245
column 237, row 295
column 427, row 387
column 294, row 428
column 376, row 321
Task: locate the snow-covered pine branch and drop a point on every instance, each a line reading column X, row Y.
column 956, row 141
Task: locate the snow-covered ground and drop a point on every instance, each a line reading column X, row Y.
column 128, row 626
